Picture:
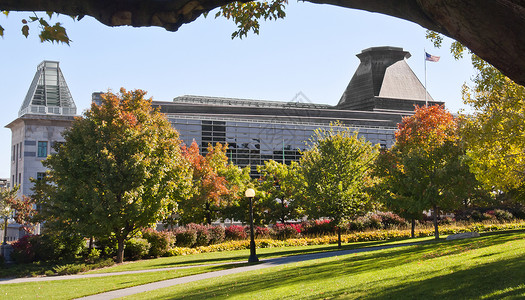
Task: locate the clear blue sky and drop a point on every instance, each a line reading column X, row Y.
column 311, row 51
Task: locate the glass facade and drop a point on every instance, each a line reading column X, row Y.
column 251, row 142
column 48, row 93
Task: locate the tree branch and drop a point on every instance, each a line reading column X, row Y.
column 494, row 30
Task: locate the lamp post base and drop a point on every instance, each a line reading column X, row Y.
column 253, row 258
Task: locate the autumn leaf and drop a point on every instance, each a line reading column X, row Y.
column 25, row 30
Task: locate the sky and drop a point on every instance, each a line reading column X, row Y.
column 311, row 51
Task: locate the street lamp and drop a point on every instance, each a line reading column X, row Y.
column 250, row 193
column 6, row 211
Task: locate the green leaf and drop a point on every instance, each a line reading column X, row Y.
column 50, row 14
column 5, row 12
column 1, row 31
column 43, row 22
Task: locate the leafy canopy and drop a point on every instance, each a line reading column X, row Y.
column 118, row 170
column 336, row 174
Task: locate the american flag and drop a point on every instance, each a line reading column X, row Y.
column 429, row 57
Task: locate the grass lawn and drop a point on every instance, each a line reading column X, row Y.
column 489, row 267
column 241, row 255
column 74, row 288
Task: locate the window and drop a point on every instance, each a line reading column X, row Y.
column 40, row 175
column 42, row 149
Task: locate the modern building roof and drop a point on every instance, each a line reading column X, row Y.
column 384, row 81
column 219, row 101
column 48, row 93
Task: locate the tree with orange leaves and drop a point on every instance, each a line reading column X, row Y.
column 209, row 187
column 426, row 168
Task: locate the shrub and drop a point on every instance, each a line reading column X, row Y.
column 217, row 234
column 503, row 215
column 107, row 246
column 488, row 216
column 45, row 247
column 160, row 242
column 391, row 220
column 446, row 221
column 203, row 237
column 136, row 248
column 286, row 231
column 51, row 246
column 70, row 269
column 374, row 221
column 22, row 250
column 186, row 237
column 318, row 227
column 235, row 232
column 93, row 255
column 262, row 232
column 357, row 224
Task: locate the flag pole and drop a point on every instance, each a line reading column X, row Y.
column 426, row 101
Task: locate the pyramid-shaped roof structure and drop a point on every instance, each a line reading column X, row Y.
column 48, row 93
column 384, row 81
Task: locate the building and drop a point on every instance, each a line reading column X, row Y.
column 381, row 92
column 47, row 110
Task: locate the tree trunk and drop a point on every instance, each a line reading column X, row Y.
column 413, row 229
column 436, row 230
column 120, row 249
column 338, row 237
column 208, row 214
column 90, row 244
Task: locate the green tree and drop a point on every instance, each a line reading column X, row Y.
column 394, row 189
column 238, row 180
column 118, row 170
column 426, row 168
column 7, row 197
column 279, row 188
column 336, row 174
column 495, row 130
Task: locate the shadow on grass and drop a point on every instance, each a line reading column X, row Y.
column 491, row 277
column 493, row 280
column 265, row 253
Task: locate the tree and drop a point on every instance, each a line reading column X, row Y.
column 393, row 188
column 209, row 188
column 117, row 171
column 426, row 168
column 478, row 25
column 495, row 131
column 237, row 181
column 7, row 197
column 336, row 175
column 280, row 188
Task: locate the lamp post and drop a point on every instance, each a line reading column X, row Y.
column 6, row 211
column 250, row 193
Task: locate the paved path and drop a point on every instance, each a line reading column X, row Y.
column 64, row 277
column 264, row 264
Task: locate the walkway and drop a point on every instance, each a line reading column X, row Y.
column 264, row 264
column 267, row 263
